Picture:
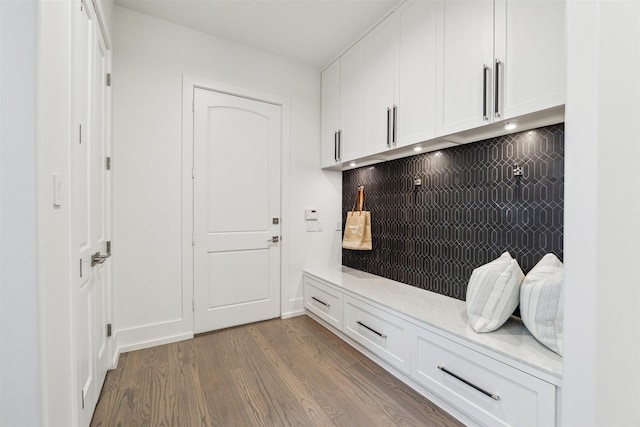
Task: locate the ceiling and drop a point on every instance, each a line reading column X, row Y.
column 310, row 31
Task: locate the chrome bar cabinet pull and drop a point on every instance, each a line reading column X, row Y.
column 388, row 127
column 496, row 109
column 395, row 124
column 380, row 334
column 321, row 302
column 470, row 384
column 485, row 77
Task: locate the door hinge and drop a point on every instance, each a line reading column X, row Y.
column 108, row 163
column 109, row 331
column 193, row 305
column 193, row 105
column 82, row 393
column 80, row 135
column 108, row 79
column 109, row 247
column 193, row 172
column 193, row 239
column 80, row 267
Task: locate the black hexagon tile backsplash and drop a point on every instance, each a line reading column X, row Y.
column 469, row 209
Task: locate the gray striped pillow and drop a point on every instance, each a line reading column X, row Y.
column 541, row 302
column 493, row 293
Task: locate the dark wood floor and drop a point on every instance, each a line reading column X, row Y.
column 276, row 373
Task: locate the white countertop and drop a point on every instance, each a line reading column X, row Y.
column 512, row 340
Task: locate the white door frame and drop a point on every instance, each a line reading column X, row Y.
column 189, row 83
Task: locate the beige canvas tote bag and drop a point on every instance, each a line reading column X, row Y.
column 357, row 229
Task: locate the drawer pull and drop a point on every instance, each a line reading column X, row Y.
column 321, row 302
column 446, row 371
column 371, row 329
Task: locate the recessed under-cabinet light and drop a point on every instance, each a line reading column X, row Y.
column 352, row 164
column 510, row 126
column 417, row 148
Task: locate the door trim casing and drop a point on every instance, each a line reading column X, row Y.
column 189, row 83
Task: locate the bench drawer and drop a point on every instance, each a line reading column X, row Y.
column 324, row 302
column 382, row 333
column 487, row 390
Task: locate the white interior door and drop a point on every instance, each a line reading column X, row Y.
column 101, row 203
column 236, row 210
column 91, row 210
column 85, row 37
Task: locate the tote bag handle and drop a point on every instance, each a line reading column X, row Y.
column 359, row 200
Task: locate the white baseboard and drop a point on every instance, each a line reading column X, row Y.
column 155, row 342
column 291, row 314
column 115, row 357
column 152, row 335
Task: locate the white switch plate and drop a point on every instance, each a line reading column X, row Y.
column 339, row 226
column 311, row 214
column 312, row 226
column 320, row 226
column 57, row 190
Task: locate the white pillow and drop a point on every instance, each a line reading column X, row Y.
column 493, row 293
column 541, row 302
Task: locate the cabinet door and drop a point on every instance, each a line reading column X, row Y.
column 464, row 85
column 352, row 102
column 330, row 115
column 530, row 56
column 382, row 333
column 380, row 71
column 485, row 389
column 323, row 301
column 417, row 71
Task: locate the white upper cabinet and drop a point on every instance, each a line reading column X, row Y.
column 330, row 116
column 400, row 77
column 352, row 103
column 529, row 56
column 416, row 96
column 380, row 85
column 434, row 69
column 464, row 66
column 499, row 60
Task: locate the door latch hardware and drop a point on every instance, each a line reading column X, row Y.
column 274, row 239
column 98, row 259
column 276, row 220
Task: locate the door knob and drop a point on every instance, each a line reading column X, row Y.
column 98, row 259
column 274, row 239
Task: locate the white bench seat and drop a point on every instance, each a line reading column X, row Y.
column 500, row 378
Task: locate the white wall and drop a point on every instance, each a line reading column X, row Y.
column 19, row 370
column 59, row 394
column 601, row 380
column 150, row 58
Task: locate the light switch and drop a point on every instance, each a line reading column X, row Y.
column 320, row 226
column 57, row 190
column 312, row 226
